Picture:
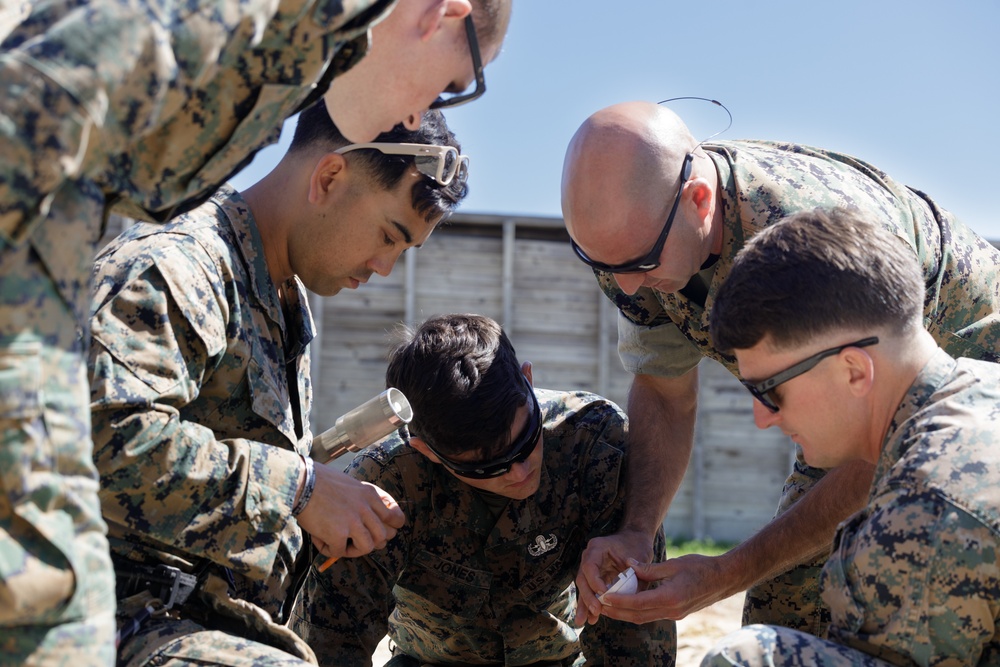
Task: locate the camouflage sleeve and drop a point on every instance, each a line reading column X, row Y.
column 916, row 577
column 82, row 81
column 159, row 326
column 82, row 88
column 343, row 612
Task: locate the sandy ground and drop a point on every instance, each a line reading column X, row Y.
column 696, row 634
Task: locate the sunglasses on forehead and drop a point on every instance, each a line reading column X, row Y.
column 441, row 163
column 521, row 448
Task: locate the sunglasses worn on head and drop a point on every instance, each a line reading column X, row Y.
column 522, row 448
column 454, row 100
column 441, row 163
column 651, row 259
column 760, row 390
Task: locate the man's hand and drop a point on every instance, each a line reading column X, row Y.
column 601, row 562
column 686, row 584
column 346, row 517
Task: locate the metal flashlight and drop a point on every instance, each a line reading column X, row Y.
column 368, row 423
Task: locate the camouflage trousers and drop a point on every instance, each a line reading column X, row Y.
column 214, row 629
column 179, row 642
column 792, row 599
column 767, row 646
column 56, row 580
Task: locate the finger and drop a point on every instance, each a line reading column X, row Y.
column 651, row 571
column 587, row 602
column 389, row 512
column 319, row 544
column 366, row 532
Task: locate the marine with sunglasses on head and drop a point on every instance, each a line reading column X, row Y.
column 201, row 389
column 147, row 107
column 503, row 484
column 823, row 312
column 660, row 219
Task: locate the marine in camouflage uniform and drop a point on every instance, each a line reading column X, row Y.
column 913, row 577
column 201, row 388
column 474, row 578
column 761, row 182
column 148, row 106
column 201, row 400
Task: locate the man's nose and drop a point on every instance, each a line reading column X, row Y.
column 382, row 264
column 519, row 472
column 629, row 282
column 762, row 415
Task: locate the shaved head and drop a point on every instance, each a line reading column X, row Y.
column 621, row 171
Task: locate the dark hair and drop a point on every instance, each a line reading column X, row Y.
column 461, row 376
column 316, row 132
column 816, row 272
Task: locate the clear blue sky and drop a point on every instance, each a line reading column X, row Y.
column 911, row 86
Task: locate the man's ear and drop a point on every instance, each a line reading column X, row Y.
column 437, row 10
column 324, row 176
column 702, row 196
column 421, row 446
column 859, row 368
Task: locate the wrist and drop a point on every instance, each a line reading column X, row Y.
column 305, row 487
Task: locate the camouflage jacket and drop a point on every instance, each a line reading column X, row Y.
column 149, row 106
column 197, row 432
column 914, row 578
column 763, row 182
column 461, row 586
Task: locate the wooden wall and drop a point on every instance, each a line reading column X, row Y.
column 522, row 272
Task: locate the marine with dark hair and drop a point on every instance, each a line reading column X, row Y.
column 201, row 390
column 503, row 484
column 823, row 312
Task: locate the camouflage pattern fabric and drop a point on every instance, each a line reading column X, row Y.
column 770, row 646
column 148, row 105
column 761, row 183
column 914, row 578
column 197, row 431
column 460, row 585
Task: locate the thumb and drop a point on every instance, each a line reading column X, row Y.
column 645, row 571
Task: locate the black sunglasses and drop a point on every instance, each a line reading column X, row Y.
column 477, row 67
column 651, row 259
column 524, row 445
column 761, row 389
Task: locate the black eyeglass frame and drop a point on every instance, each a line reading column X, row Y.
column 523, row 448
column 762, row 388
column 651, row 260
column 477, row 69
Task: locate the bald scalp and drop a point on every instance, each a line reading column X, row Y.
column 624, row 160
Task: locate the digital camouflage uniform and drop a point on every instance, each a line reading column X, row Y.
column 198, row 433
column 913, row 578
column 460, row 585
column 761, row 183
column 147, row 105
